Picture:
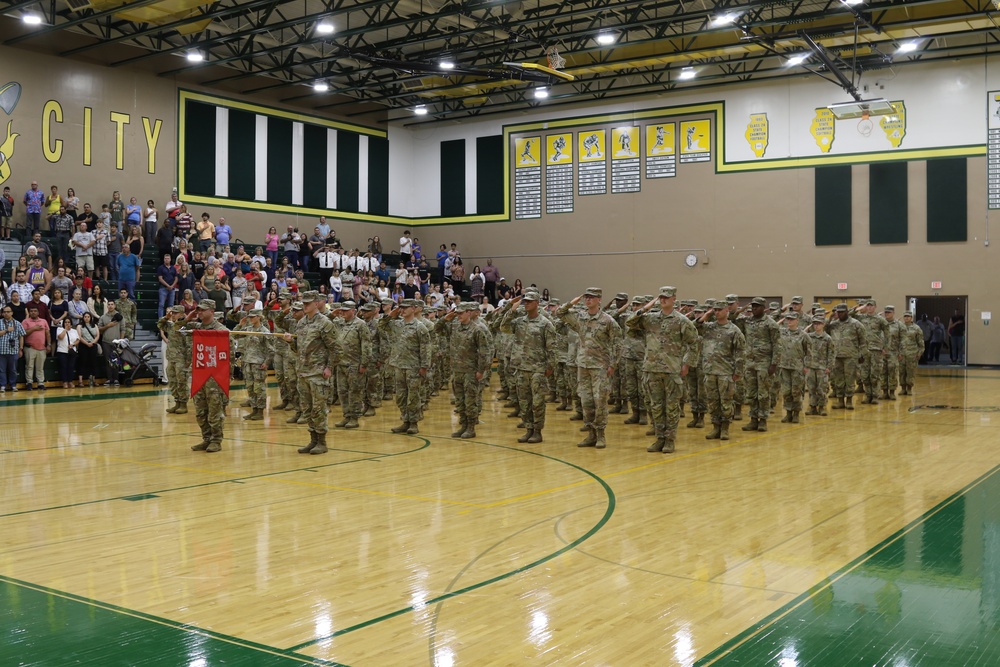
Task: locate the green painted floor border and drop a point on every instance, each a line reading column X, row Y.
column 719, row 655
column 492, row 580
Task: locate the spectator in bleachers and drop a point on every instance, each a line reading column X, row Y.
column 37, row 341
column 199, row 291
column 18, row 305
column 128, row 270
column 173, row 207
column 133, row 215
column 149, row 217
column 34, row 200
column 6, row 213
column 53, row 203
column 58, row 312
column 223, row 235
column 375, row 248
column 292, row 242
column 11, row 348
column 405, row 247
column 116, row 207
column 163, row 239
column 62, row 281
column 97, row 303
column 166, row 277
column 71, row 202
column 88, row 348
column 136, row 245
column 41, row 248
column 116, row 241
column 101, row 261
column 77, row 306
column 38, row 276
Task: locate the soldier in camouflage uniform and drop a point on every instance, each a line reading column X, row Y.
column 876, row 331
column 256, row 353
column 723, row 354
column 355, row 361
column 739, row 394
column 911, row 347
column 471, row 357
column 388, row 373
column 671, row 340
column 634, row 349
column 599, row 349
column 318, row 352
column 127, row 309
column 210, row 401
column 284, row 356
column 534, row 358
column 849, row 339
column 762, row 335
column 793, row 347
column 619, row 390
column 477, row 320
column 373, row 382
column 296, row 313
column 410, row 357
column 821, row 358
column 694, row 382
column 890, row 362
column 178, row 358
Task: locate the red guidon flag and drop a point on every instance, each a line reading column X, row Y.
column 210, row 359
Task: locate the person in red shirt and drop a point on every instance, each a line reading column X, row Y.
column 36, row 342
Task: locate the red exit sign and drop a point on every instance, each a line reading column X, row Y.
column 841, row 285
column 936, row 284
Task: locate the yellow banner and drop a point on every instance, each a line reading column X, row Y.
column 528, row 152
column 625, row 143
column 660, row 139
column 756, row 133
column 894, row 125
column 592, row 145
column 823, row 129
column 559, row 149
column 696, row 136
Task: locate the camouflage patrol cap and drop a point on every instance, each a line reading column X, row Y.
column 219, row 314
column 467, row 307
column 530, row 296
column 621, row 296
column 594, row 291
column 311, row 296
column 206, row 304
column 819, row 320
column 758, row 301
column 242, row 315
column 554, row 301
column 348, row 305
column 869, row 302
column 298, row 305
column 889, row 309
column 792, row 315
column 710, row 302
column 284, row 295
column 637, row 300
column 907, row 314
column 721, row 304
column 796, row 299
column 700, row 309
column 732, row 298
column 668, row 291
column 387, row 302
column 816, row 305
column 370, row 306
column 774, row 305
column 255, row 312
column 840, row 307
column 176, row 309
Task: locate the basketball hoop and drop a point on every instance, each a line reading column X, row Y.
column 555, row 60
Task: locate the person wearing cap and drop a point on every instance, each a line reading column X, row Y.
column 598, row 352
column 177, row 359
column 671, row 340
column 471, row 351
column 794, row 306
column 889, row 374
column 257, row 351
column 735, row 318
column 793, row 347
column 723, row 348
column 876, row 333
column 503, row 342
column 850, row 340
column 911, row 346
column 318, row 351
column 210, row 401
column 285, row 354
column 762, row 362
column 372, row 394
column 819, row 361
column 694, row 385
column 633, row 351
column 534, row 358
column 354, row 362
column 618, row 390
column 409, row 358
column 428, row 383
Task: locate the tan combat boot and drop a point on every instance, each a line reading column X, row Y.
column 590, row 440
column 214, row 446
column 751, row 425
column 634, row 419
column 402, row 428
column 762, row 426
column 668, row 446
column 657, row 446
column 320, row 446
column 715, row 433
column 795, row 416
column 312, row 443
column 352, row 423
column 600, row 442
column 536, row 437
column 182, row 408
column 294, row 419
column 724, row 431
column 839, row 405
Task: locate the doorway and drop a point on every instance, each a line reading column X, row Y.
column 943, row 348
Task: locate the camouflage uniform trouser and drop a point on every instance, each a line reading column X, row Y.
column 907, row 370
column 890, row 372
column 694, row 384
column 351, row 389
column 373, row 387
column 280, row 376
column 573, row 386
column 619, row 391
column 719, row 390
column 483, row 384
column 757, row 386
column 562, row 385
column 594, row 386
column 871, row 373
column 845, row 369
column 818, row 385
column 633, row 384
column 739, row 392
column 255, row 380
column 502, row 372
column 313, row 392
column 210, row 411
column 179, row 380
column 408, row 383
column 531, row 390
column 665, row 391
column 793, row 385
column 388, row 380
column 468, row 393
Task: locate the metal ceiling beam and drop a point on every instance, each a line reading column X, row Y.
column 95, row 16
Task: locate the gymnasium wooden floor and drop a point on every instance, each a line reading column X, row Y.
column 864, row 538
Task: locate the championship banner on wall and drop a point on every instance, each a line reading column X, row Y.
column 528, row 178
column 661, row 150
column 756, row 133
column 696, row 141
column 592, row 172
column 993, row 149
column 823, row 129
column 559, row 173
column 210, row 359
column 625, row 169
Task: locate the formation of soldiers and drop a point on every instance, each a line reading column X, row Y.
column 648, row 356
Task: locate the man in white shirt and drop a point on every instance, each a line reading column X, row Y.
column 405, row 247
column 326, row 257
column 83, row 242
column 173, row 206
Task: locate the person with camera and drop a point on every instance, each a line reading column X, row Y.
column 110, row 328
column 292, row 241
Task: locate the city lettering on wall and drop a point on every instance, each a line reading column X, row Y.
column 559, row 173
column 528, row 178
column 55, row 120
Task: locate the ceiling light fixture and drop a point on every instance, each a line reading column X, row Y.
column 446, row 64
column 798, row 59
column 851, row 3
column 420, row 110
column 195, row 56
column 325, row 28
column 605, row 38
column 541, row 93
column 724, row 19
column 31, row 19
column 687, row 73
column 908, row 47
column 321, row 86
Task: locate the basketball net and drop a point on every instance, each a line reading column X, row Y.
column 558, row 62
